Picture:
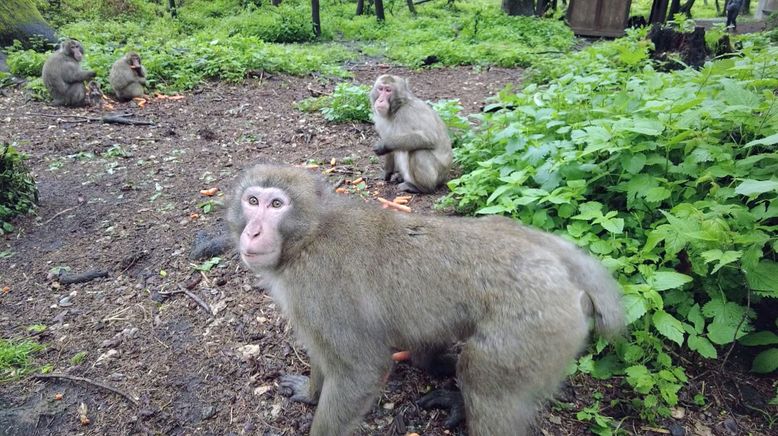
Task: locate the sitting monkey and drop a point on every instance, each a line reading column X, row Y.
column 413, row 138
column 63, row 76
column 127, row 77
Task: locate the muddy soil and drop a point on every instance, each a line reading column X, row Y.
column 126, row 200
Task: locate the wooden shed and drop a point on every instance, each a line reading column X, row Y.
column 598, row 17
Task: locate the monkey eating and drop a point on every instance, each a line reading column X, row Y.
column 358, row 283
column 127, row 77
column 413, row 137
column 63, row 77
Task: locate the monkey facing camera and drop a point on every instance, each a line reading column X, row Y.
column 358, row 282
column 63, row 76
column 127, row 77
column 413, row 138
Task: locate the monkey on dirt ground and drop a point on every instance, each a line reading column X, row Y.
column 63, row 76
column 127, row 77
column 358, row 282
column 413, row 138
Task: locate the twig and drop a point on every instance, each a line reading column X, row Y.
column 190, row 294
column 60, row 213
column 132, row 399
column 108, row 119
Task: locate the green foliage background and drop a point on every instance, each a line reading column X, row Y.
column 18, row 193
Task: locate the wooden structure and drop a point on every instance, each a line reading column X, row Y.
column 598, row 17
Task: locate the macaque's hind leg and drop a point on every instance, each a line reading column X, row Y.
column 345, row 399
column 388, row 166
column 448, row 400
column 425, row 171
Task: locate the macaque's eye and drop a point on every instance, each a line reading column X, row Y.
column 253, row 201
column 276, row 203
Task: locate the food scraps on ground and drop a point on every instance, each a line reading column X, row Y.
column 209, row 192
column 390, row 204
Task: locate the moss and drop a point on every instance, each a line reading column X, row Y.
column 20, row 19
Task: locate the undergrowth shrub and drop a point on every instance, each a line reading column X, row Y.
column 346, row 103
column 18, row 193
column 670, row 178
column 25, row 63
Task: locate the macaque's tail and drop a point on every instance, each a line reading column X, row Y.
column 604, row 293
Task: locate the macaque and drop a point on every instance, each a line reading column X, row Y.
column 413, row 138
column 63, row 76
column 358, row 283
column 127, row 77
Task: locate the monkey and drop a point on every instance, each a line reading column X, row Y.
column 127, row 77
column 519, row 300
column 413, row 137
column 63, row 76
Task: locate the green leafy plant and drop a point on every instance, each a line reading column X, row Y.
column 668, row 177
column 78, row 358
column 18, row 193
column 346, row 103
column 36, row 328
column 208, row 264
column 15, row 358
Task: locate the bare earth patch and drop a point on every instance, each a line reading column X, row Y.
column 135, row 214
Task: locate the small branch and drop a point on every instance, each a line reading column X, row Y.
column 129, row 397
column 107, row 119
column 69, row 279
column 60, row 213
column 192, row 295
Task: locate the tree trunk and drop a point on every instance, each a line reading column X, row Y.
column 20, row 19
column 518, row 7
column 379, row 10
column 675, row 7
column 411, row 7
column 542, row 8
column 658, row 11
column 686, row 8
column 315, row 18
column 171, row 6
column 275, row 2
column 361, row 7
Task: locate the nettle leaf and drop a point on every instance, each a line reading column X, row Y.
column 635, row 306
column 695, row 316
column 751, row 187
column 759, row 338
column 702, row 345
column 770, row 140
column 640, row 379
column 644, row 126
column 635, row 163
column 613, row 225
column 766, row 361
column 655, row 195
column 663, row 280
column 724, row 258
column 763, row 277
column 668, row 326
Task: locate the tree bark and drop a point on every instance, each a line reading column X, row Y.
column 518, row 7
column 411, row 7
column 361, row 7
column 675, row 7
column 20, row 19
column 686, row 8
column 542, row 7
column 171, row 6
column 658, row 12
column 379, row 10
column 315, row 18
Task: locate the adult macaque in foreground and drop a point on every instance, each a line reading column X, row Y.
column 127, row 77
column 413, row 138
column 63, row 76
column 358, row 282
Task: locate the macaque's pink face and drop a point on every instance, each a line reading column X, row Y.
column 263, row 209
column 134, row 61
column 76, row 51
column 384, row 99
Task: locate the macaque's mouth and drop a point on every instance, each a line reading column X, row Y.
column 245, row 254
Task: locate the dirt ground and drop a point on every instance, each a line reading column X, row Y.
column 137, row 215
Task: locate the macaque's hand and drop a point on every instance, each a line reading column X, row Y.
column 380, row 148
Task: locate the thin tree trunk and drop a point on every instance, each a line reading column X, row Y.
column 675, row 7
column 379, row 10
column 518, row 7
column 275, row 2
column 687, row 8
column 658, row 11
column 361, row 7
column 171, row 6
column 411, row 7
column 315, row 18
column 542, row 7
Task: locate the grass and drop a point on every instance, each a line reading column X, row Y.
column 15, row 358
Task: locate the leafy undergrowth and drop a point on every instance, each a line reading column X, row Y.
column 228, row 39
column 670, row 178
column 18, row 193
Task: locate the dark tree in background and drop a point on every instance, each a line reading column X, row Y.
column 518, row 7
column 315, row 17
column 20, row 19
column 379, row 10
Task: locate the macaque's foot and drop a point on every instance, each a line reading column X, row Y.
column 444, row 399
column 296, row 387
column 408, row 187
column 442, row 365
